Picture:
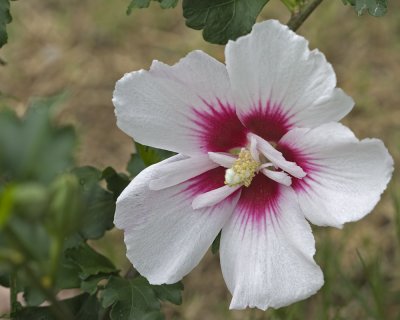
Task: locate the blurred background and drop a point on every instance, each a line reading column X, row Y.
column 83, row 47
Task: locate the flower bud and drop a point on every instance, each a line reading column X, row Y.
column 65, row 205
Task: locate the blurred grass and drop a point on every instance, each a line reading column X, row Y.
column 84, row 47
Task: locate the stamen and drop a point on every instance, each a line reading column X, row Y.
column 242, row 171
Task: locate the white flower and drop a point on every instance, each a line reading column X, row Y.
column 260, row 151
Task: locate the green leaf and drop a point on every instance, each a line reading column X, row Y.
column 30, row 200
column 146, row 156
column 168, row 4
column 99, row 204
column 90, row 285
column 5, row 18
column 73, row 241
column 32, row 148
column 140, row 4
column 25, row 232
column 169, row 292
column 151, row 155
column 83, row 307
column 4, row 280
column 33, row 296
column 291, row 4
column 64, row 214
column 89, row 261
column 376, row 8
column 35, row 313
column 154, row 315
column 89, row 309
column 131, row 299
column 222, row 20
column 116, row 182
column 68, row 274
column 6, row 205
column 135, row 165
column 137, row 4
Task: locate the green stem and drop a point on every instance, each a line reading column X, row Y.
column 14, row 239
column 56, row 251
column 59, row 310
column 131, row 273
column 13, row 293
column 297, row 19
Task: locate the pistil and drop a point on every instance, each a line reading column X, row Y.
column 243, row 170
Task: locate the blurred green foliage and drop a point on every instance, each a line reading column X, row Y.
column 376, row 8
column 32, row 148
column 49, row 209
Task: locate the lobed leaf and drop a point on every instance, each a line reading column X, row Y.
column 222, row 20
column 169, row 292
column 89, row 261
column 140, row 4
column 145, row 156
column 116, row 182
column 131, row 299
column 83, row 307
column 68, row 274
column 137, row 299
column 91, row 284
column 99, row 204
column 376, row 8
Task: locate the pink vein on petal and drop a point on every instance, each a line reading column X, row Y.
column 218, row 129
column 306, row 162
column 207, row 181
column 267, row 120
column 258, row 202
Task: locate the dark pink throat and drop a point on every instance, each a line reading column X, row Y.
column 218, row 129
column 268, row 121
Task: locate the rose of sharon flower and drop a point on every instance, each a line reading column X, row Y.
column 260, row 152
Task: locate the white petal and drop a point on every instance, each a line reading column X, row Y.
column 345, row 177
column 165, row 237
column 213, row 197
column 277, row 158
column 177, row 172
column 155, row 107
column 278, row 176
column 223, row 159
column 253, row 148
column 328, row 108
column 270, row 265
column 273, row 64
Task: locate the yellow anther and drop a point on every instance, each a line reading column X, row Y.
column 243, row 170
